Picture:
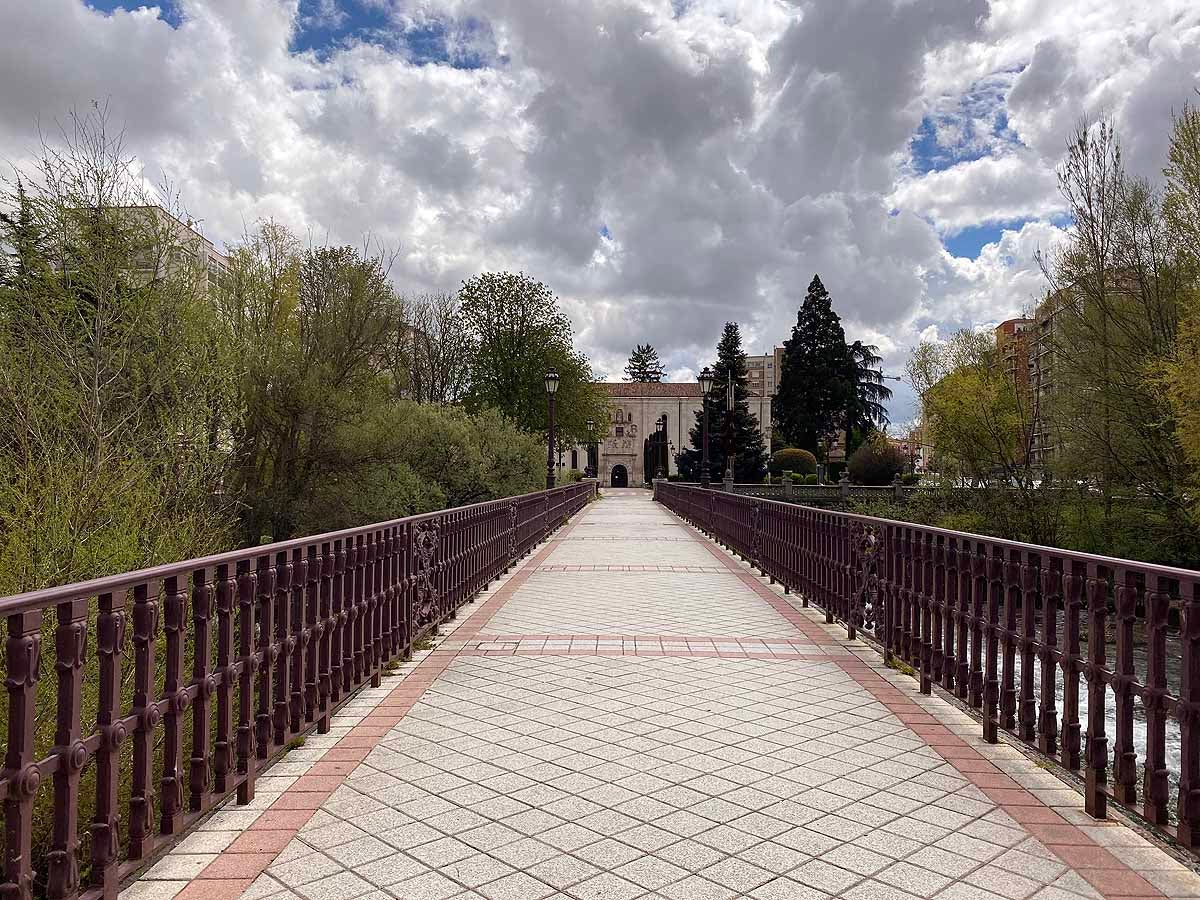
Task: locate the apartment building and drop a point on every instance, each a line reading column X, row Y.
column 763, row 372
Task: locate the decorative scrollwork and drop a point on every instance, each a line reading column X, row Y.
column 425, row 544
column 864, row 606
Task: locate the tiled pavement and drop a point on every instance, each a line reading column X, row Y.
column 651, row 733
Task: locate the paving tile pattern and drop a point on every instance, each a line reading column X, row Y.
column 655, row 734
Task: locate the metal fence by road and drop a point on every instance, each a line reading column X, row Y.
column 298, row 627
column 1001, row 625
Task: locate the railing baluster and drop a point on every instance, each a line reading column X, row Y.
column 106, row 830
column 205, row 682
column 223, row 755
column 312, row 631
column 1026, row 707
column 175, row 699
column 282, row 646
column 964, row 574
column 23, row 658
column 70, row 646
column 1096, row 742
column 268, row 653
column 297, row 639
column 925, row 594
column 1127, row 590
column 248, row 660
column 991, row 680
column 141, row 797
column 1051, row 573
column 326, row 677
column 1073, row 587
column 1008, row 635
column 1155, row 796
column 1187, row 831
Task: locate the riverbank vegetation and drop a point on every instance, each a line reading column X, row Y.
column 1081, row 431
column 158, row 402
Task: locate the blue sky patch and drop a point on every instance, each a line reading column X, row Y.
column 605, row 233
column 168, row 11
column 966, row 128
column 323, row 28
column 970, row 241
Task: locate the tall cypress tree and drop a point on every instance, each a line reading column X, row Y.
column 749, row 447
column 644, row 366
column 817, row 384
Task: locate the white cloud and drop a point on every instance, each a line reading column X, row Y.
column 731, row 150
column 984, row 191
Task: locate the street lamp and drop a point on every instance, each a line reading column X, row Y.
column 706, row 383
column 551, row 390
column 660, row 429
column 730, row 404
column 593, row 464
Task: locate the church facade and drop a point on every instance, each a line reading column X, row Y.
column 622, row 455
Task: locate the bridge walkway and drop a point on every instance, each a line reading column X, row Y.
column 633, row 713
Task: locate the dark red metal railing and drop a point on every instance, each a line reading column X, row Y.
column 1012, row 629
column 234, row 655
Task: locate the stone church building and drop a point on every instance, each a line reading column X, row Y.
column 636, row 406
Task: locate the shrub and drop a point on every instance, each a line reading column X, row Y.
column 912, row 479
column 810, row 478
column 876, row 462
column 792, row 460
column 572, row 475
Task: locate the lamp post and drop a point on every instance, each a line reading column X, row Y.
column 593, row 464
column 660, row 430
column 551, row 390
column 730, row 404
column 706, row 383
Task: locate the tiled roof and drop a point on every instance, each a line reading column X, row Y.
column 658, row 389
column 652, row 389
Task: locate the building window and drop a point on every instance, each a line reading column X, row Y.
column 574, row 459
column 620, row 431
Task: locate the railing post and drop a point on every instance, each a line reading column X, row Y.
column 23, row 656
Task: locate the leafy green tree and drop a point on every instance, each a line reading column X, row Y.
column 644, row 366
column 877, row 461
column 867, row 410
column 518, row 334
column 749, row 446
column 112, row 372
column 794, row 460
column 817, row 385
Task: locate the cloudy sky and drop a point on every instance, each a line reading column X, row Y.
column 664, row 165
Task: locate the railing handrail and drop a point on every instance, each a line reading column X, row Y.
column 50, row 596
column 233, row 656
column 1112, row 562
column 1002, row 625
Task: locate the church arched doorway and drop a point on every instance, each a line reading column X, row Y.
column 620, row 477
